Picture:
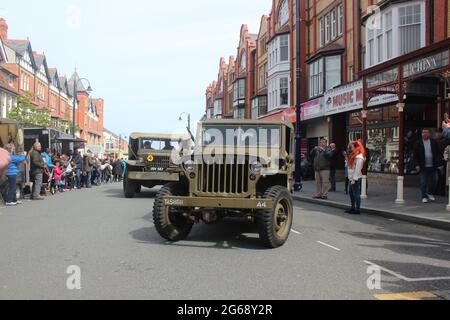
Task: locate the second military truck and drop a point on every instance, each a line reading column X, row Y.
column 150, row 159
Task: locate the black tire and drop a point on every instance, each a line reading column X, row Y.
column 129, row 188
column 275, row 223
column 171, row 225
column 138, row 188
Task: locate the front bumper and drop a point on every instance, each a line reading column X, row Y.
column 224, row 203
column 153, row 176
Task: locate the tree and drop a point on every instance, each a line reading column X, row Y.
column 26, row 112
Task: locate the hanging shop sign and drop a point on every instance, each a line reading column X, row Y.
column 312, row 109
column 344, row 98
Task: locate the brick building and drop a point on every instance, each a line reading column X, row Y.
column 26, row 72
column 376, row 70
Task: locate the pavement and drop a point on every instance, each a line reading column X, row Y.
column 329, row 255
column 381, row 201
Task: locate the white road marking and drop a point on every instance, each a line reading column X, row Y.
column 328, row 245
column 401, row 277
column 296, row 232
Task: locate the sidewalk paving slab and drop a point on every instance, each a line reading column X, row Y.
column 381, row 202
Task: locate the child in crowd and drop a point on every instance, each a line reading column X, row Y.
column 57, row 176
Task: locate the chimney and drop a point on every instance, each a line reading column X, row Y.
column 3, row 29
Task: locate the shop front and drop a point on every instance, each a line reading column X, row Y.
column 412, row 94
column 314, row 124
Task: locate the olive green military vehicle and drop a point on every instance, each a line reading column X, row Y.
column 239, row 168
column 150, row 159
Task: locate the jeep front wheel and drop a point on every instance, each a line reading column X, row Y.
column 275, row 223
column 129, row 187
column 169, row 221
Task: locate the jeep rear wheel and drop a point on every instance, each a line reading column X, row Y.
column 275, row 224
column 169, row 221
column 129, row 187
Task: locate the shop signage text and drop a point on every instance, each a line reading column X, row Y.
column 426, row 64
column 345, row 98
column 312, row 109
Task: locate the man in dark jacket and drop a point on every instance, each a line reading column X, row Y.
column 333, row 166
column 321, row 156
column 36, row 171
column 87, row 169
column 78, row 168
column 426, row 158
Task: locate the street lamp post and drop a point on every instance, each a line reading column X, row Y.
column 298, row 135
column 75, row 91
column 189, row 119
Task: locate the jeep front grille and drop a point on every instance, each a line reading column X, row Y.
column 159, row 162
column 223, row 178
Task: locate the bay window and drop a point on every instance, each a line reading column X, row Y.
column 284, row 91
column 324, row 74
column 279, row 50
column 409, row 28
column 396, row 31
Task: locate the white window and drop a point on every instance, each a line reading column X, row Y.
column 217, row 108
column 380, row 42
column 332, row 72
column 389, row 44
column 316, row 78
column 330, row 26
column 398, row 30
column 410, row 30
column 324, row 75
column 284, row 48
column 243, row 63
column 283, row 15
column 333, row 24
column 340, row 19
column 322, row 32
column 284, row 91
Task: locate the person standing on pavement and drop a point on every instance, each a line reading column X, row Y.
column 321, row 164
column 11, row 174
column 333, row 166
column 87, row 169
column 355, row 168
column 442, row 143
column 36, row 171
column 426, row 158
column 47, row 155
column 78, row 162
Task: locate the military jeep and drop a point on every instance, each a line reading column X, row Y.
column 149, row 160
column 239, row 168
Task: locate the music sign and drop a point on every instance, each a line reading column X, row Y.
column 344, row 98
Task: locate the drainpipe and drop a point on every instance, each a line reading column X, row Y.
column 431, row 19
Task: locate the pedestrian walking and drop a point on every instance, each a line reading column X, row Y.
column 321, row 164
column 426, row 158
column 36, row 171
column 356, row 161
column 12, row 173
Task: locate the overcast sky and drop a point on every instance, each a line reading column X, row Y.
column 149, row 60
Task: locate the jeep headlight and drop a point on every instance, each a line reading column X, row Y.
column 256, row 167
column 189, row 166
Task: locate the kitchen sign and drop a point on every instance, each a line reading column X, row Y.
column 426, row 64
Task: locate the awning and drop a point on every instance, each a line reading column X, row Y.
column 282, row 115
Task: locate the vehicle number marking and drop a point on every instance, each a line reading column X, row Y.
column 173, row 202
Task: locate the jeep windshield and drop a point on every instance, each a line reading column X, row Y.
column 241, row 136
column 159, row 144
